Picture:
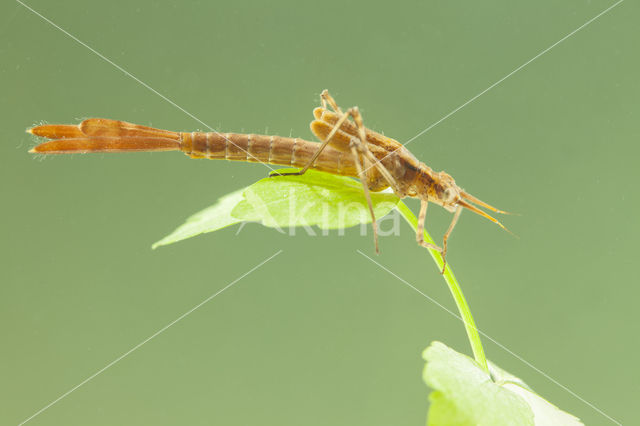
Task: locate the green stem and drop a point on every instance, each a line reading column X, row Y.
column 456, row 291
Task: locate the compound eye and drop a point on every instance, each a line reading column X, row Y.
column 448, row 195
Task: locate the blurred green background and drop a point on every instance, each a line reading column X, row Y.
column 319, row 335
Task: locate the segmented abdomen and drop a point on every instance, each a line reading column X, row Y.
column 278, row 150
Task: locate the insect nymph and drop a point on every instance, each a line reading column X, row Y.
column 347, row 148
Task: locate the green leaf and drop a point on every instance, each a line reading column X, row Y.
column 315, row 198
column 465, row 395
column 544, row 412
column 211, row 219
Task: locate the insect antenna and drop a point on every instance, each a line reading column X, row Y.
column 475, row 200
column 484, row 214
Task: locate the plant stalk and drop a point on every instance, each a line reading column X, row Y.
column 454, row 288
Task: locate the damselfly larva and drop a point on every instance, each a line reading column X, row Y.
column 348, row 148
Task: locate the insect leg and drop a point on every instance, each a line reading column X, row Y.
column 357, row 117
column 326, row 98
column 456, row 215
column 365, row 187
column 325, row 142
column 420, row 234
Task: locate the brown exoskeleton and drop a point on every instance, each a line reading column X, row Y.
column 348, row 148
